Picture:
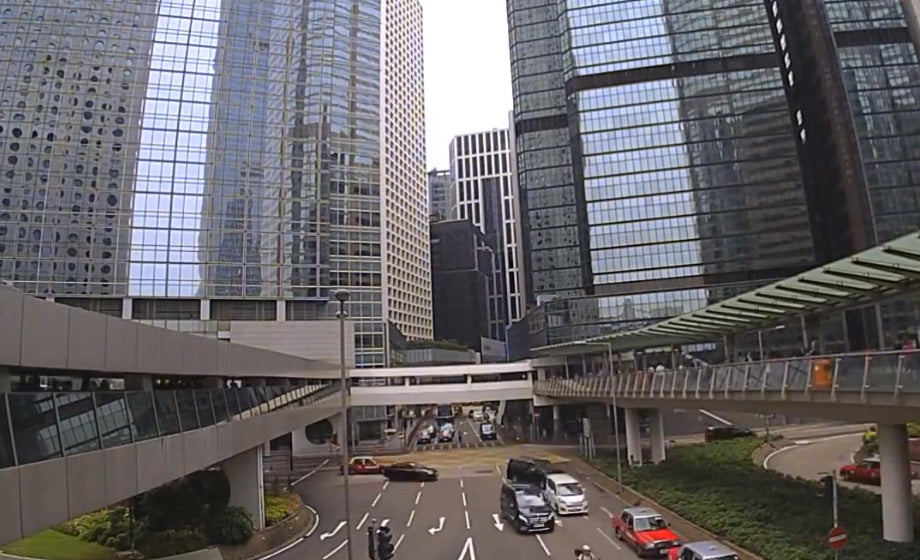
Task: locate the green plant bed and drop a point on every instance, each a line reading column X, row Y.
column 279, row 507
column 54, row 545
column 777, row 517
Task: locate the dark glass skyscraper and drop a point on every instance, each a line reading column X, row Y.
column 661, row 154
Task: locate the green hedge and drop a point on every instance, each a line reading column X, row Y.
column 718, row 487
column 279, row 507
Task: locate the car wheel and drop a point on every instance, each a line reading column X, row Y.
column 618, row 534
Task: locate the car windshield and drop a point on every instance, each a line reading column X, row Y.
column 653, row 523
column 570, row 489
column 487, row 428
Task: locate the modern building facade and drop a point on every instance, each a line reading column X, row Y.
column 484, row 191
column 439, row 195
column 234, row 161
column 671, row 154
column 461, row 277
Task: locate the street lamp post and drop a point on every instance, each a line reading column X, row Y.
column 342, row 296
column 616, row 415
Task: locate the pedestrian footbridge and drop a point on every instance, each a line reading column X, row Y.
column 66, row 454
column 864, row 387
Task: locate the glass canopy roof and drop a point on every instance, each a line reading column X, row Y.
column 861, row 279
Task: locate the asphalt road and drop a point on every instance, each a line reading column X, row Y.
column 462, row 425
column 808, row 457
column 466, row 498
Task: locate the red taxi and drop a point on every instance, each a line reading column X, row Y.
column 869, row 471
column 362, row 465
column 645, row 531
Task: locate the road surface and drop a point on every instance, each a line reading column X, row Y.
column 466, row 498
column 807, row 458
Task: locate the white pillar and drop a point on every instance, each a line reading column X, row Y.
column 281, row 310
column 204, row 309
column 897, row 511
column 657, row 435
column 633, row 438
column 557, row 421
column 127, row 308
column 247, row 488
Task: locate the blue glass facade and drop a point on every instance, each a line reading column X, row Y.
column 659, row 164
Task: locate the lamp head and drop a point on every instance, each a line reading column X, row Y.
column 342, row 295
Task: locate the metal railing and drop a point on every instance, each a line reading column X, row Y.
column 40, row 426
column 866, row 374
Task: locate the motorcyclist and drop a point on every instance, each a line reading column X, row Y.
column 584, row 553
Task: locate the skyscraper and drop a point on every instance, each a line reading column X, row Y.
column 439, row 194
column 229, row 161
column 483, row 191
column 671, row 153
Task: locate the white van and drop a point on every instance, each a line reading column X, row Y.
column 565, row 494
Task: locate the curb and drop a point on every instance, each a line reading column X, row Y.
column 304, row 535
column 744, row 553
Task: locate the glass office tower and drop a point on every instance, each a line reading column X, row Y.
column 661, row 160
column 209, row 160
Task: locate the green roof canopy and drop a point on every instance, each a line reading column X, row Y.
column 864, row 278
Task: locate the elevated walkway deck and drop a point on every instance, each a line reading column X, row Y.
column 66, row 454
column 865, row 387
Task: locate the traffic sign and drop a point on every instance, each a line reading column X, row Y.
column 837, row 537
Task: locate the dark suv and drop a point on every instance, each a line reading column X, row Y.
column 525, row 508
column 525, row 470
column 716, row 433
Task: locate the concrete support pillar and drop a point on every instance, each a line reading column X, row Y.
column 204, row 309
column 138, row 382
column 127, row 308
column 633, row 437
column 247, row 488
column 281, row 310
column 656, row 435
column 302, row 447
column 557, row 421
column 897, row 511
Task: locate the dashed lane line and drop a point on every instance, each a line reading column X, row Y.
column 335, row 550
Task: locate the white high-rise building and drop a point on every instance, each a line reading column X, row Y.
column 404, row 181
column 484, row 191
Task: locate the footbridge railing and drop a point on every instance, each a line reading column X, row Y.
column 869, row 376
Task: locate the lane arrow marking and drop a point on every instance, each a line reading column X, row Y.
column 335, row 531
column 468, row 550
column 498, row 524
column 437, row 529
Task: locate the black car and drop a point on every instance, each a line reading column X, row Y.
column 716, row 433
column 526, row 470
column 525, row 508
column 412, row 472
column 487, row 431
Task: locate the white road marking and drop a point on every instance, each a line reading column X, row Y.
column 715, row 417
column 543, row 544
column 308, row 475
column 335, row 550
column 385, row 522
column 377, row 499
column 463, row 497
column 418, row 497
column 497, row 522
column 385, row 484
column 607, row 511
column 284, row 549
column 768, row 458
column 411, row 517
column 468, row 548
column 437, row 529
column 422, row 485
column 398, row 542
column 363, row 520
column 466, row 516
column 606, row 536
column 461, row 483
column 315, row 523
column 334, row 532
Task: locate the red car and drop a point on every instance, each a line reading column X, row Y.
column 645, row 531
column 868, row 471
column 362, row 465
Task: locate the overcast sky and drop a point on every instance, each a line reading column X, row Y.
column 467, row 71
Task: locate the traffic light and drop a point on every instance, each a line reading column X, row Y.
column 385, row 546
column 370, row 543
